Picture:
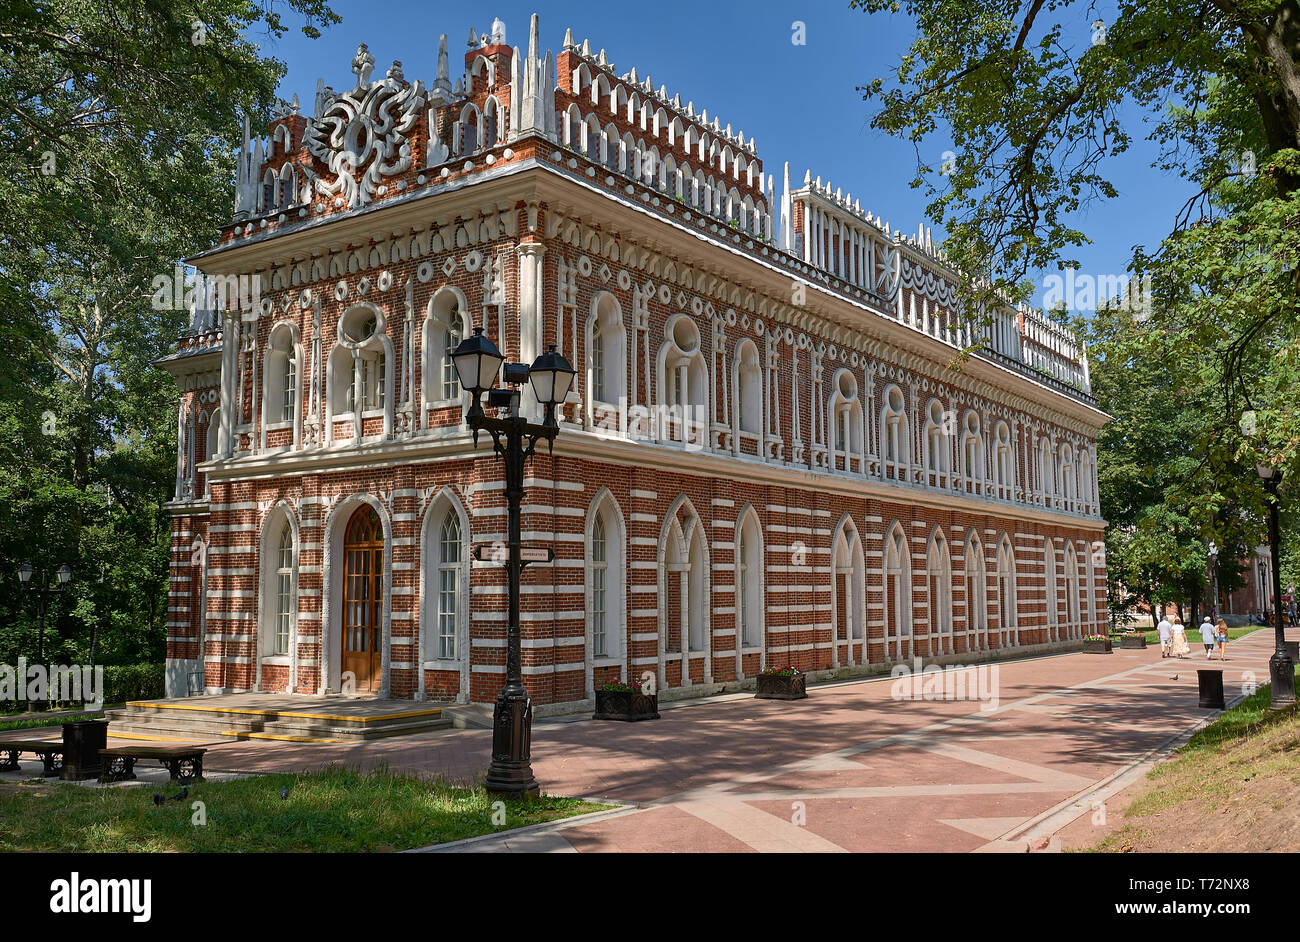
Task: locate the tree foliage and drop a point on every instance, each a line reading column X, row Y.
column 117, row 121
column 1037, row 99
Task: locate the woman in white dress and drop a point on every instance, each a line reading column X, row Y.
column 1179, row 638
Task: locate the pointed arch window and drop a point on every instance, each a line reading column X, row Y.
column 749, row 582
column 848, row 594
column 284, row 607
column 605, row 583
column 938, row 567
column 449, row 568
column 898, row 593
column 976, row 590
column 1072, row 606
column 1009, row 632
column 599, row 590
column 1051, row 577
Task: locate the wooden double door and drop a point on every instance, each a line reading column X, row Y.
column 363, row 602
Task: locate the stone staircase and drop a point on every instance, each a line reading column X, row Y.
column 223, row 718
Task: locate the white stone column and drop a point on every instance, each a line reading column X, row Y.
column 229, row 350
column 530, row 317
column 180, row 450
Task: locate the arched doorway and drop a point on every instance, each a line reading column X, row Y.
column 363, row 601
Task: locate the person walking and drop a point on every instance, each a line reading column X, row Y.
column 1221, row 637
column 1207, row 636
column 1165, row 629
column 1178, row 641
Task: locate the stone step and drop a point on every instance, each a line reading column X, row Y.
column 199, row 723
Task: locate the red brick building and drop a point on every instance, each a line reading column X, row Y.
column 765, row 457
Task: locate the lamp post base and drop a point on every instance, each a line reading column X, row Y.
column 511, row 771
column 1281, row 672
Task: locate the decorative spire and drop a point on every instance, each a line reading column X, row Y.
column 568, row 37
column 532, row 85
column 441, row 90
column 786, row 211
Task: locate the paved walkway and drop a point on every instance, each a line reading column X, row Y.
column 848, row 769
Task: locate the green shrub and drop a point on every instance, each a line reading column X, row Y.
column 134, row 682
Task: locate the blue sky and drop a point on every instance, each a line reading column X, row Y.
column 738, row 61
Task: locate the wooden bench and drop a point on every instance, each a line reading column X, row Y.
column 50, row 751
column 185, row 763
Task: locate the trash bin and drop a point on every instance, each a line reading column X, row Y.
column 1210, row 684
column 82, row 741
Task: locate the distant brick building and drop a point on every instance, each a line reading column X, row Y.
column 765, row 458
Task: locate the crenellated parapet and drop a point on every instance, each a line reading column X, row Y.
column 829, row 230
column 393, row 139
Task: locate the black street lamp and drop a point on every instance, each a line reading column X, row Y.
column 43, row 591
column 1281, row 668
column 477, row 362
column 1214, row 573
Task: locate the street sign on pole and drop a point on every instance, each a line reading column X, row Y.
column 500, row 553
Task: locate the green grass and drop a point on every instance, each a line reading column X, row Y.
column 1248, row 718
column 50, row 719
column 1248, row 741
column 334, row 811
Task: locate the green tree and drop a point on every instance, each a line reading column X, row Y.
column 1165, row 493
column 118, row 122
column 1033, row 97
column 1036, row 100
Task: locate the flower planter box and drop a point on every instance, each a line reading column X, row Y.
column 781, row 687
column 1096, row 647
column 626, row 705
column 1133, row 641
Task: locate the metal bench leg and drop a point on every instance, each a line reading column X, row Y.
column 185, row 771
column 118, row 769
column 9, row 760
column 53, row 762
